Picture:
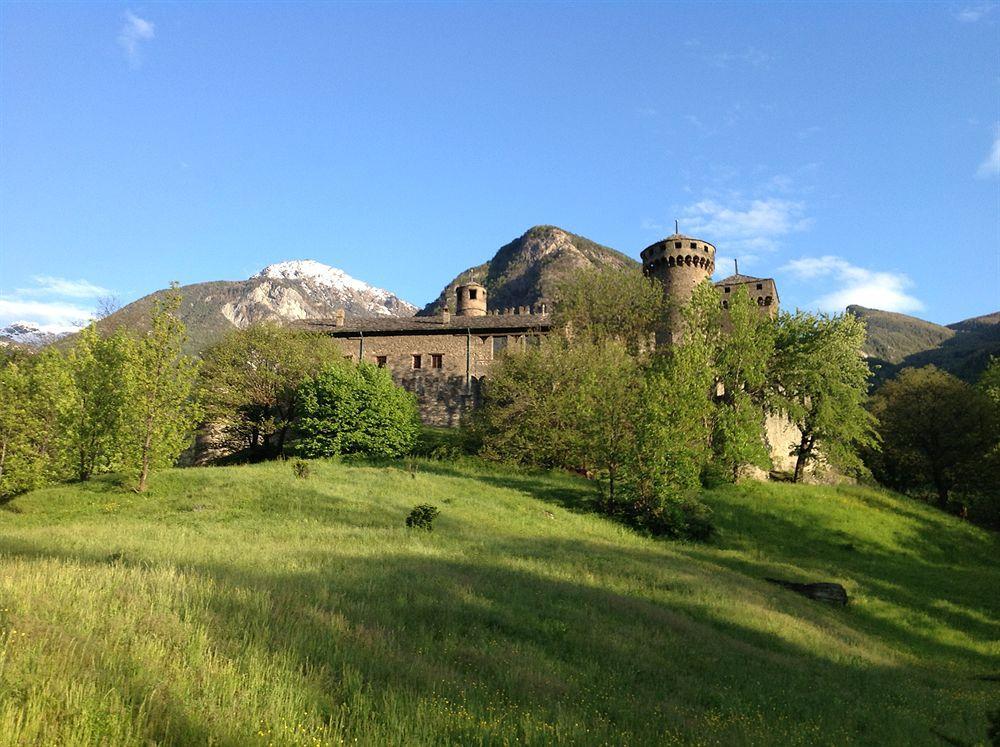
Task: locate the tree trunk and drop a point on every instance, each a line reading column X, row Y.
column 3, row 457
column 146, row 444
column 802, row 457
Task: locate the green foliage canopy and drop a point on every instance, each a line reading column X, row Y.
column 355, row 409
column 249, row 383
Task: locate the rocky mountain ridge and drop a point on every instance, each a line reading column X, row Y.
column 282, row 292
column 526, row 270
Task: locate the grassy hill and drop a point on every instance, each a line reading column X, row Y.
column 242, row 606
column 897, row 341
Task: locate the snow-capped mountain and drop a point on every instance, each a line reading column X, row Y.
column 333, row 283
column 282, row 292
column 28, row 334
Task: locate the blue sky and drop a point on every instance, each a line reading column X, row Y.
column 852, row 151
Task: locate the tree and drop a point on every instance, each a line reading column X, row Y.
column 820, row 380
column 610, row 304
column 935, row 430
column 593, row 400
column 249, row 383
column 159, row 381
column 355, row 409
column 989, row 381
column 92, row 420
column 35, row 391
column 742, row 358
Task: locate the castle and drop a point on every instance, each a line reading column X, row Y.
column 442, row 359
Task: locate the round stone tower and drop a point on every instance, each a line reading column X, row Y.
column 679, row 262
column 470, row 300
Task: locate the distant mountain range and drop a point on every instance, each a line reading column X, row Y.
column 283, row 292
column 26, row 334
column 897, row 341
column 521, row 273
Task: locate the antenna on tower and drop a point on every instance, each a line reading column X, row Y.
column 676, row 229
column 736, row 263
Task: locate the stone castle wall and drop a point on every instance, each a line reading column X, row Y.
column 445, row 395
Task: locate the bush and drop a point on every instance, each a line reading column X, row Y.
column 677, row 517
column 355, row 410
column 301, row 468
column 422, row 517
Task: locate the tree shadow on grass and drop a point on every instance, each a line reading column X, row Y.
column 606, row 665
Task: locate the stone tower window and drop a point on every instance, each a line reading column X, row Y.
column 416, row 360
column 694, row 245
column 727, row 289
column 437, row 359
column 678, row 244
column 760, row 286
column 472, row 293
column 380, row 361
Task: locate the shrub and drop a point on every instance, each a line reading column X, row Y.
column 355, row 410
column 677, row 517
column 301, row 468
column 422, row 517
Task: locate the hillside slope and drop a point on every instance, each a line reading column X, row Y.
column 283, row 292
column 897, row 341
column 526, row 270
column 244, row 606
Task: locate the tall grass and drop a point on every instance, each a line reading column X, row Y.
column 241, row 605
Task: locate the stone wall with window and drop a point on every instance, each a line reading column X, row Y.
column 434, row 366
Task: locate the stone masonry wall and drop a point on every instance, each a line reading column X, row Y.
column 444, row 395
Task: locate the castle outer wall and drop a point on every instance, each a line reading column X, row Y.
column 442, row 360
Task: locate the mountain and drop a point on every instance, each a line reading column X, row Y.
column 897, row 341
column 27, row 334
column 527, row 269
column 282, row 292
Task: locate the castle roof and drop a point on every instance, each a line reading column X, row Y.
column 430, row 325
column 738, row 278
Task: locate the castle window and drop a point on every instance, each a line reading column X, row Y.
column 760, row 301
column 767, row 301
column 760, row 286
column 437, row 360
column 380, row 361
column 694, row 245
column 678, row 244
column 472, row 293
column 499, row 343
column 725, row 304
column 416, row 360
column 727, row 289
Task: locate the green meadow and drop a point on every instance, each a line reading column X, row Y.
column 242, row 606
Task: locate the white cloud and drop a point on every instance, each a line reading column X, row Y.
column 857, row 285
column 746, row 226
column 48, row 285
column 973, row 13
column 135, row 31
column 50, row 316
column 991, row 164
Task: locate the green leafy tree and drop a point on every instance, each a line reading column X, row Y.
column 743, row 353
column 159, row 380
column 92, row 419
column 249, row 383
column 355, row 409
column 36, row 391
column 610, row 304
column 595, row 401
column 989, row 381
column 820, row 380
column 935, row 430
